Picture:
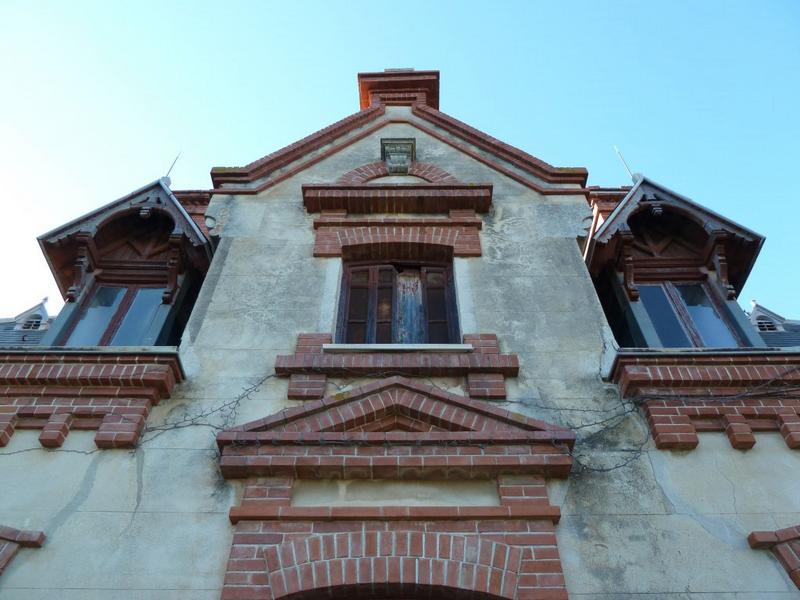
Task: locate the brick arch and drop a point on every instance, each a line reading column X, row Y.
column 324, row 565
column 401, row 243
column 427, row 171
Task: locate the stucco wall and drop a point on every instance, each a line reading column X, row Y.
column 153, row 523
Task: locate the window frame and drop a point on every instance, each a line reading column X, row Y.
column 131, row 289
column 450, row 302
column 685, row 319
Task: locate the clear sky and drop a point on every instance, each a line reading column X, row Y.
column 98, row 98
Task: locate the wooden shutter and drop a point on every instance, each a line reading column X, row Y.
column 384, row 277
column 357, row 310
column 437, row 305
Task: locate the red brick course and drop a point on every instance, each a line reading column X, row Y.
column 57, row 392
column 785, row 545
column 11, row 540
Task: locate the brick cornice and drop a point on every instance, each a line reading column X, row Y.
column 515, row 156
column 397, row 198
column 288, row 154
column 60, row 390
column 703, row 373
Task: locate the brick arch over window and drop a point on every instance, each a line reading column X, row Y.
column 428, row 172
column 436, row 564
column 401, row 243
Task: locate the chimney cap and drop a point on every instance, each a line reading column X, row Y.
column 399, row 87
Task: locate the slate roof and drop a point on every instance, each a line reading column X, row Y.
column 9, row 336
column 782, row 339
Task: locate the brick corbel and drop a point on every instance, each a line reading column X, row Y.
column 61, row 390
column 785, row 545
column 11, row 540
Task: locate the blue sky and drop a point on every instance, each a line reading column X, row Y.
column 98, row 98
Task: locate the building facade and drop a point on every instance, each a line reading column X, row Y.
column 400, row 358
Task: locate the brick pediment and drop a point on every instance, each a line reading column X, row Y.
column 403, row 405
column 395, row 428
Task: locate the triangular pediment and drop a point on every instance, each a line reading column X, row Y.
column 397, row 404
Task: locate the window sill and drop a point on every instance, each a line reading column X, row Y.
column 437, row 348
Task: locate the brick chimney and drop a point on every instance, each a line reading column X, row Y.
column 399, row 87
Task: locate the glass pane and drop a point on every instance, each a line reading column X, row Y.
column 356, row 333
column 386, row 276
column 359, row 277
column 385, row 304
column 664, row 319
column 383, row 333
column 139, row 317
column 437, row 333
column 705, row 317
column 436, row 305
column 434, row 278
column 96, row 317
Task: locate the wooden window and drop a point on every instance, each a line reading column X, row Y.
column 688, row 314
column 397, row 303
column 115, row 315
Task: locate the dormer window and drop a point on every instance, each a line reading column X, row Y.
column 668, row 271
column 766, row 324
column 33, row 322
column 398, row 303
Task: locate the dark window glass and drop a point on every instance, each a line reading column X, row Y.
column 138, row 318
column 96, row 316
column 663, row 317
column 709, row 324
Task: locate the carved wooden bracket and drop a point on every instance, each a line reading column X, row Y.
column 84, row 264
column 174, row 267
column 627, row 266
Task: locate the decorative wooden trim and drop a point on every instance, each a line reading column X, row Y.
column 785, row 545
column 109, row 392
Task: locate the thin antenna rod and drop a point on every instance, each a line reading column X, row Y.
column 622, row 158
column 179, row 155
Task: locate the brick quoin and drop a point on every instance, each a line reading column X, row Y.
column 59, row 392
column 683, row 395
column 785, row 545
